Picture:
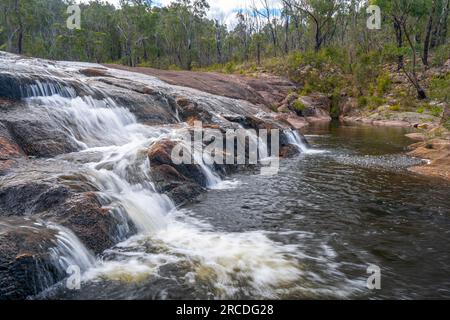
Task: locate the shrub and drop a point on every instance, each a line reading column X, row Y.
column 446, row 125
column 299, row 106
column 436, row 111
column 383, row 84
column 395, row 107
column 441, row 55
column 363, row 101
column 440, row 88
column 229, row 67
column 420, row 110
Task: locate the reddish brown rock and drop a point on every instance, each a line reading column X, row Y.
column 94, row 72
column 317, row 107
column 263, row 89
column 181, row 182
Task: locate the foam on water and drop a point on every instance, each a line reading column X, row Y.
column 295, row 139
column 223, row 259
column 69, row 250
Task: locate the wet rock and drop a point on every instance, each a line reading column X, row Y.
column 181, row 182
column 97, row 227
column 41, row 139
column 26, row 264
column 289, row 151
column 9, row 149
column 294, row 121
column 29, row 198
column 10, row 86
column 150, row 106
column 190, row 110
column 416, row 136
column 33, row 131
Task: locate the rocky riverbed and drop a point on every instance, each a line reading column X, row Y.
column 85, row 161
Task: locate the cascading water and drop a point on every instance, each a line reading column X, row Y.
column 103, row 127
column 295, row 139
column 120, row 171
column 69, row 250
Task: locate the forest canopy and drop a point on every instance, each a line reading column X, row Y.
column 182, row 35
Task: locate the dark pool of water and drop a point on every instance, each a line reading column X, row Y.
column 352, row 206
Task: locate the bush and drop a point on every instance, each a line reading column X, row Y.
column 436, row 111
column 363, row 101
column 446, row 125
column 299, row 106
column 395, row 108
column 229, row 67
column 420, row 110
column 440, row 88
column 383, row 84
column 441, row 55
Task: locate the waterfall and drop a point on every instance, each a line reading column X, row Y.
column 295, row 139
column 47, row 88
column 69, row 250
column 120, row 173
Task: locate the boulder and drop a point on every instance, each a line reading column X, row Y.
column 190, row 110
column 181, row 182
column 317, row 107
column 26, row 264
column 348, row 106
column 98, row 227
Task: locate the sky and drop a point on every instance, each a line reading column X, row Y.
column 223, row 10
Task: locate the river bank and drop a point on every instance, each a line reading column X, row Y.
column 87, row 180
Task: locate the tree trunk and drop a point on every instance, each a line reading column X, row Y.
column 286, row 36
column 399, row 38
column 412, row 76
column 258, row 49
column 20, row 29
column 444, row 24
column 426, row 45
column 318, row 37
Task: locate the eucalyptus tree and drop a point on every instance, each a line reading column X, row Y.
column 322, row 15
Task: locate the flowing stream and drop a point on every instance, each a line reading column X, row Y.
column 311, row 231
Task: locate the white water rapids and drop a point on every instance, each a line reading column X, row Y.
column 102, row 127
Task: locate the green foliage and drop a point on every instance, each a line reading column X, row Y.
column 440, row 88
column 436, row 111
column 420, row 110
column 229, row 67
column 370, row 102
column 299, row 106
column 446, row 125
column 441, row 55
column 383, row 84
column 395, row 107
column 363, row 101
